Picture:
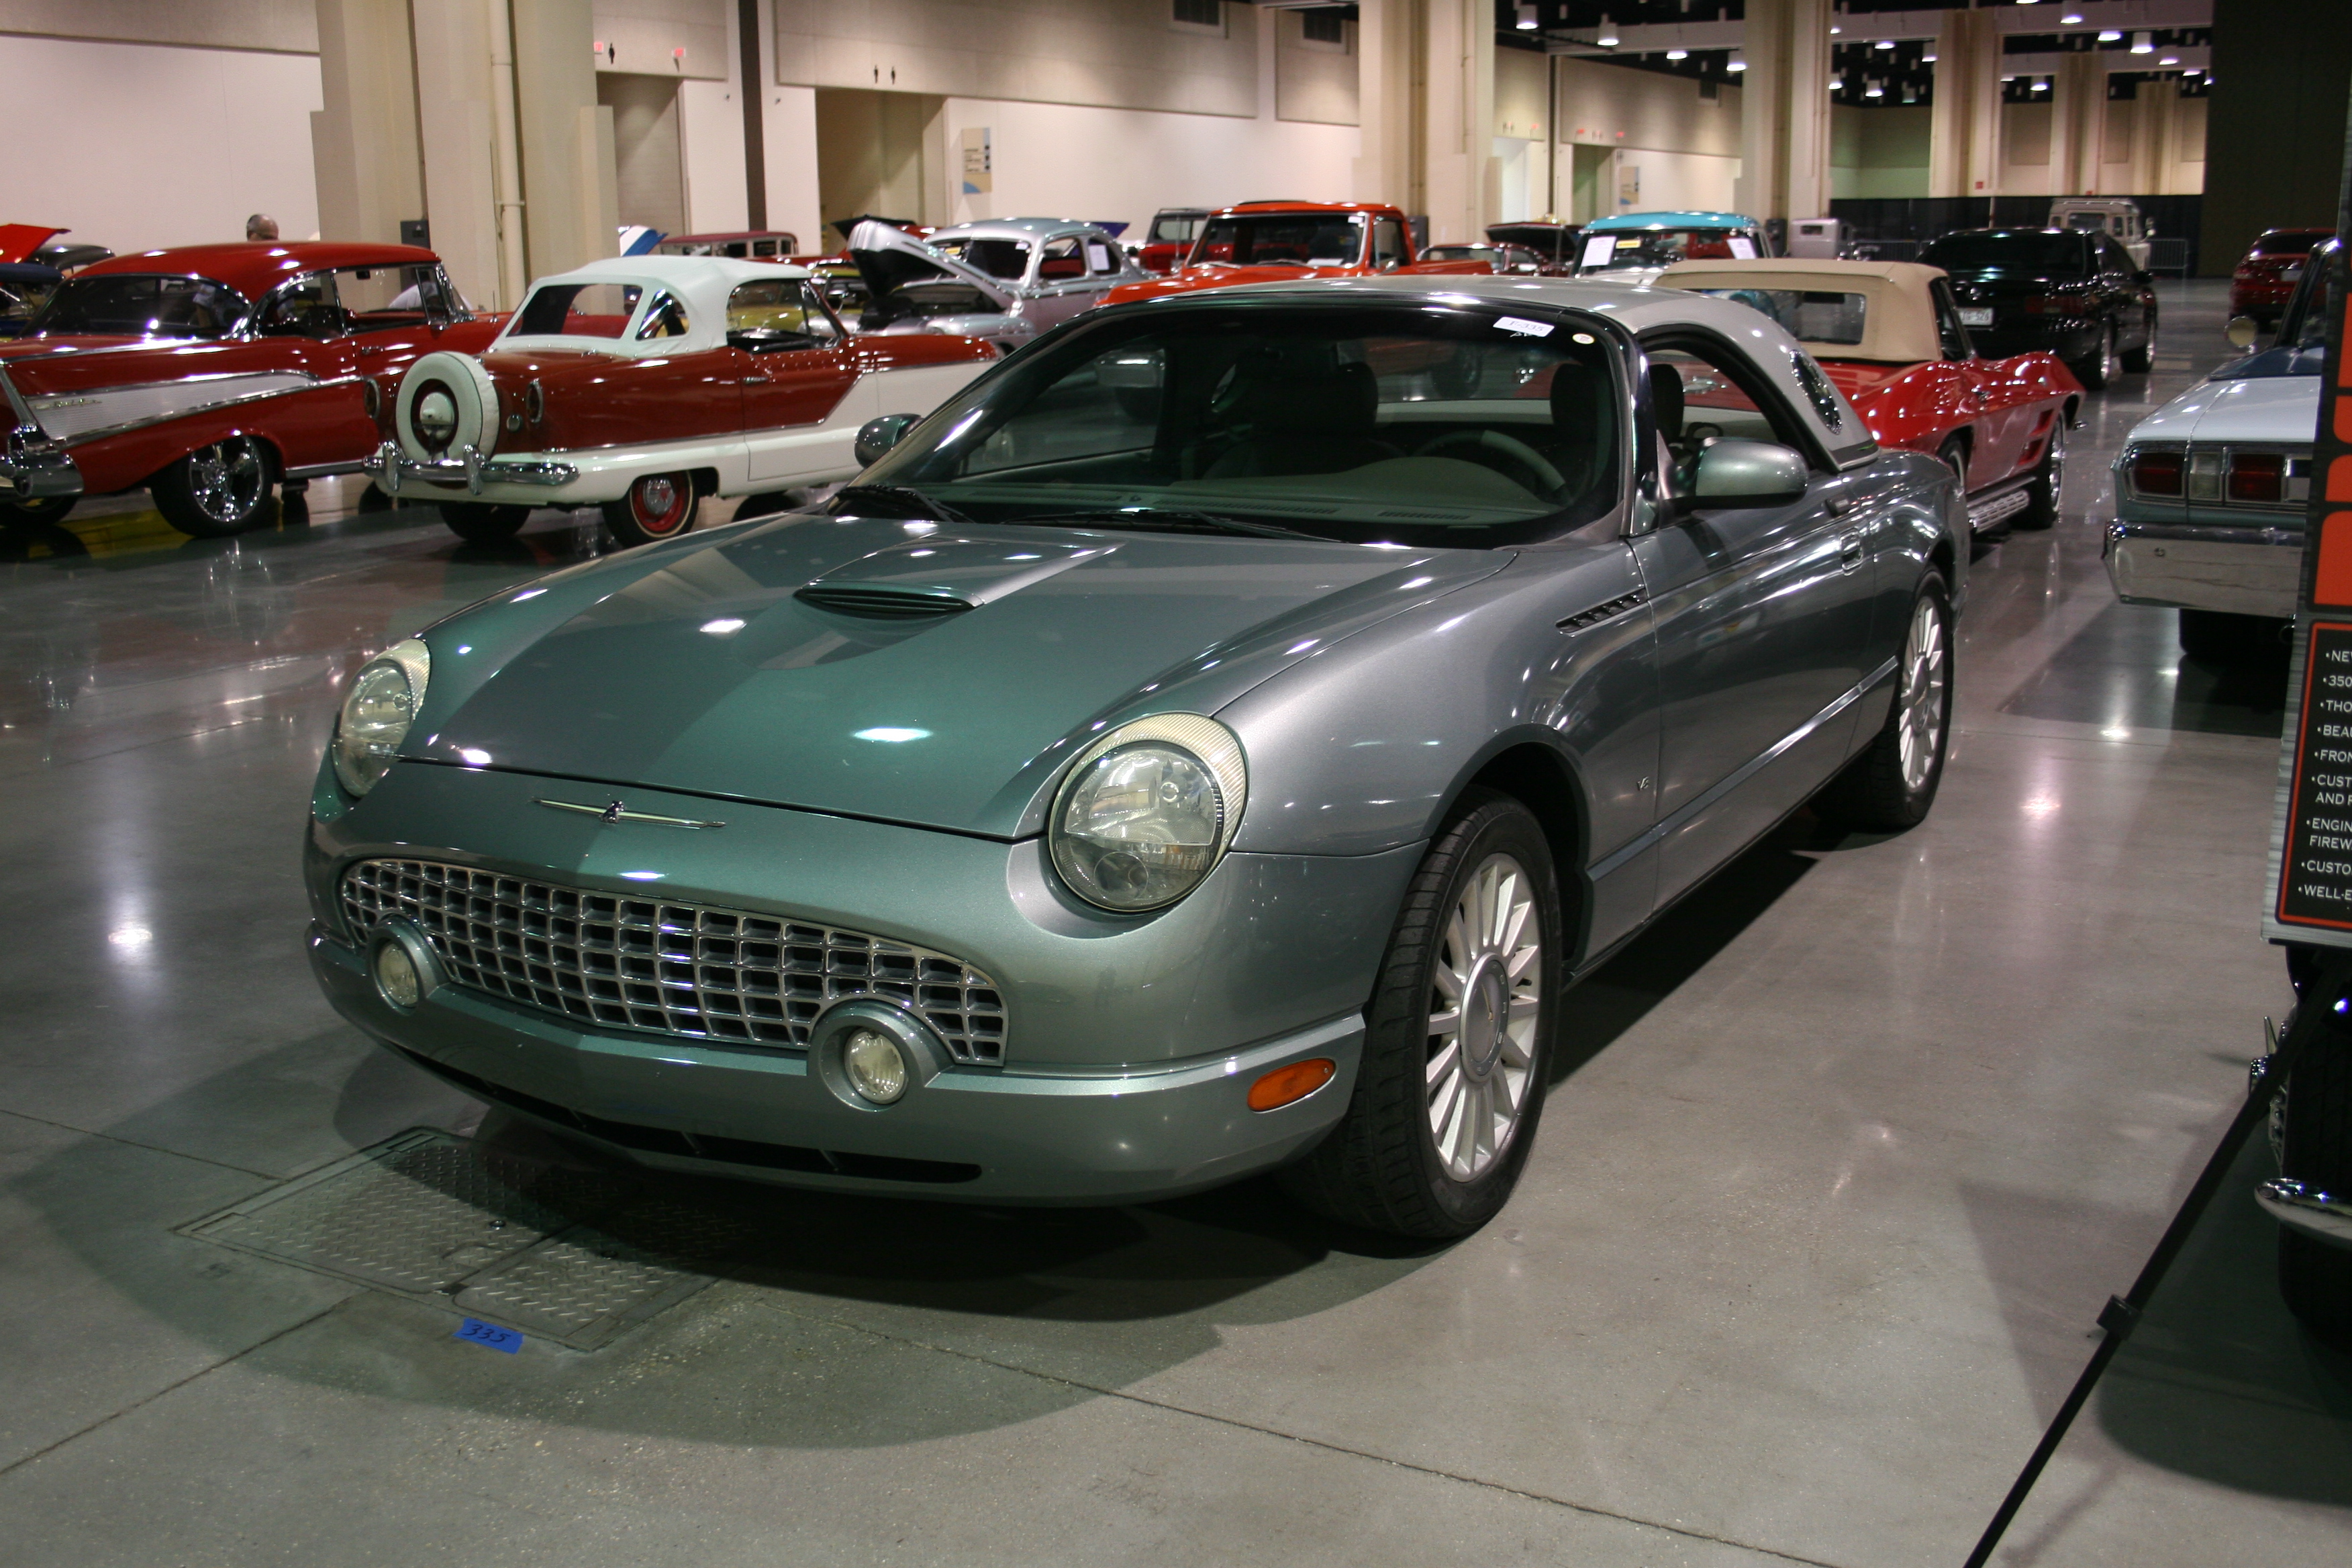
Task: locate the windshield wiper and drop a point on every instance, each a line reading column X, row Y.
column 914, row 502
column 1172, row 522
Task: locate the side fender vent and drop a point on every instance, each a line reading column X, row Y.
column 879, row 603
column 1599, row 613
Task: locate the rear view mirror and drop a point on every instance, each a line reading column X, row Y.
column 876, row 436
column 2241, row 332
column 1732, row 472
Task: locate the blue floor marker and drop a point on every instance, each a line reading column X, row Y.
column 491, row 1334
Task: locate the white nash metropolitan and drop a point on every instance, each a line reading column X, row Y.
column 644, row 384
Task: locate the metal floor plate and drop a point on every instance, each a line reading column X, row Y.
column 570, row 1254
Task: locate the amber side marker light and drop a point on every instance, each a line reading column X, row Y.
column 1296, row 1082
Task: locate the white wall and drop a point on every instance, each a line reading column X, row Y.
column 1675, row 181
column 108, row 137
column 1686, row 148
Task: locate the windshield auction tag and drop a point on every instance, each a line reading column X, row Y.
column 1523, row 327
column 2311, row 849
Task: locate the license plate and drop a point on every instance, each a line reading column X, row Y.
column 1977, row 316
column 2292, row 274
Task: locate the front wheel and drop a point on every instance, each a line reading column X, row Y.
column 483, row 522
column 216, row 490
column 44, row 512
column 2315, row 1148
column 658, row 507
column 2142, row 359
column 1892, row 783
column 1457, row 1039
column 2042, row 491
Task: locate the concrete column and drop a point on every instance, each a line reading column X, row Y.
column 2077, row 124
column 363, row 143
column 460, row 134
column 1389, row 49
column 1458, row 128
column 570, row 201
column 1964, row 138
column 1784, row 110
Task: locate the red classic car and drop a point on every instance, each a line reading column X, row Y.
column 1281, row 242
column 1888, row 335
column 1170, row 239
column 210, row 373
column 2261, row 284
column 645, row 382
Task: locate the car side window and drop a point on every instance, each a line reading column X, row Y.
column 1952, row 332
column 1061, row 262
column 2117, row 259
column 1388, row 244
column 665, row 317
column 1700, row 393
column 1102, row 257
column 779, row 313
column 307, row 308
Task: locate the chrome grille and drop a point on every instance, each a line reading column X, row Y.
column 672, row 968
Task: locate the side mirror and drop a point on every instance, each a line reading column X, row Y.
column 2241, row 332
column 1732, row 472
column 876, row 436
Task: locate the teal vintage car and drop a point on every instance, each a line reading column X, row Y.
column 1208, row 744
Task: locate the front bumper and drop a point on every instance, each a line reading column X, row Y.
column 391, row 468
column 2302, row 1207
column 2243, row 570
column 1131, row 1047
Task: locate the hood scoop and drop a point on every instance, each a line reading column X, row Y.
column 881, row 601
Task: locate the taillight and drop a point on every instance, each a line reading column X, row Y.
column 2258, row 476
column 2159, row 473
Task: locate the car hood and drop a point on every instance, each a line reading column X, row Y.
column 888, row 257
column 2260, row 408
column 706, row 667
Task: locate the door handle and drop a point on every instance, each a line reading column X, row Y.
column 1840, row 504
column 1850, row 552
column 755, row 381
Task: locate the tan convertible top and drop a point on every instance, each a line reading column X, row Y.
column 1898, row 322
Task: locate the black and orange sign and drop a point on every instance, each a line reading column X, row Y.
column 2312, row 889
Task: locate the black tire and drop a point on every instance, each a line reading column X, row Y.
column 1380, row 1167
column 2229, row 641
column 2316, row 1147
column 1880, row 791
column 658, row 507
column 2141, row 360
column 45, row 512
column 2044, row 491
column 482, row 523
column 2097, row 372
column 220, row 489
column 1954, row 455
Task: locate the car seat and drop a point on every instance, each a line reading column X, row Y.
column 1584, row 423
column 1303, row 420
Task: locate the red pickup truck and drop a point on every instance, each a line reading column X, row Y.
column 1272, row 242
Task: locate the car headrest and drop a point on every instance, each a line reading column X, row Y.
column 1666, row 399
column 1332, row 400
column 1580, row 397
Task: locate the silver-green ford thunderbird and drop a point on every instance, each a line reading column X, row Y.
column 1211, row 744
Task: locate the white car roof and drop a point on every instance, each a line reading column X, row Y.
column 701, row 283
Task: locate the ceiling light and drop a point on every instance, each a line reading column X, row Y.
column 1677, row 54
column 2168, row 59
column 1928, row 59
column 2039, row 85
column 1874, row 90
column 1883, row 44
column 1526, row 18
column 2109, row 35
column 1607, row 38
column 1735, row 63
column 2071, row 19
column 2141, row 45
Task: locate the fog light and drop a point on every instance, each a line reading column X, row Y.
column 396, row 976
column 1285, row 1084
column 875, row 1066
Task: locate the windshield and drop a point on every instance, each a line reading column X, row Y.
column 1416, row 425
column 140, row 305
column 1284, row 239
column 997, row 258
column 1808, row 315
column 2286, row 243
column 1663, row 248
column 1179, row 230
column 2093, row 222
column 2037, row 253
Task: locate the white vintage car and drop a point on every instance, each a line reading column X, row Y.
column 642, row 385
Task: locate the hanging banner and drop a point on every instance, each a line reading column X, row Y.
column 2311, row 850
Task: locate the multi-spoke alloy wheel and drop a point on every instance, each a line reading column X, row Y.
column 1450, row 1083
column 1920, row 729
column 1893, row 783
column 217, row 489
column 1486, row 1001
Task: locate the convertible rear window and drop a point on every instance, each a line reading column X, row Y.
column 1302, row 240
column 1416, row 425
column 141, row 305
column 576, row 310
column 2286, row 243
column 1810, row 316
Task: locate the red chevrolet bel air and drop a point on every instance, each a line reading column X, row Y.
column 1889, row 335
column 1283, row 242
column 212, row 373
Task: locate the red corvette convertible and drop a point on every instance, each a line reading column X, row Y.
column 1889, row 335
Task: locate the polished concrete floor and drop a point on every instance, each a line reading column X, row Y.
column 1846, row 1156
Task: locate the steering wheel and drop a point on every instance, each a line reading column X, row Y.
column 1487, row 446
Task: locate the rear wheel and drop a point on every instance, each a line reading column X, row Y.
column 481, row 523
column 2042, row 491
column 1457, row 1041
column 1893, row 783
column 658, row 507
column 216, row 490
column 2315, row 1148
column 41, row 513
column 2142, row 359
column 2218, row 638
column 2096, row 372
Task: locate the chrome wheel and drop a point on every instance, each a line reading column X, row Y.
column 2054, row 458
column 1921, row 734
column 1486, row 1003
column 2107, row 357
column 225, row 479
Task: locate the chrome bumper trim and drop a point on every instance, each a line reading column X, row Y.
column 390, row 467
column 2302, row 1207
column 34, row 467
column 2253, row 570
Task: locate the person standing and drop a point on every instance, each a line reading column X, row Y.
column 261, row 226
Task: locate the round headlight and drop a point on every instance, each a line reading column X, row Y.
column 376, row 716
column 396, row 976
column 875, row 1066
column 1147, row 811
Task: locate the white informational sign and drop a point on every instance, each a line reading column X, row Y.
column 1599, row 248
column 1097, row 257
column 1742, row 247
column 979, row 161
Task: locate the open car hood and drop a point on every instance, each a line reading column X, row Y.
column 19, row 240
column 904, row 672
column 889, row 257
